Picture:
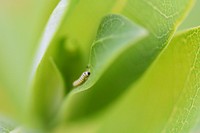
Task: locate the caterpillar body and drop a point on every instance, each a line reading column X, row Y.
column 82, row 79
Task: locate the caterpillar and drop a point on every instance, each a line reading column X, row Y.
column 82, row 79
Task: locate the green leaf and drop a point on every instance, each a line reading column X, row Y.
column 166, row 98
column 21, row 25
column 38, row 78
column 185, row 111
column 69, row 45
column 193, row 19
column 137, row 84
column 65, row 49
column 47, row 85
column 158, row 16
column 47, row 94
column 127, row 68
column 76, row 34
column 83, row 17
column 115, row 35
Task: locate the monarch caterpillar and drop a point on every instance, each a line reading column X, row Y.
column 82, row 79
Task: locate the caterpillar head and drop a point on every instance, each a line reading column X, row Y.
column 87, row 73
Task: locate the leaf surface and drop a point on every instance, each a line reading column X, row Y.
column 21, row 25
column 127, row 68
column 166, row 98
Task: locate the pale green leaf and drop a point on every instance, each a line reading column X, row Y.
column 124, row 88
column 76, row 34
column 166, row 99
column 22, row 23
column 46, row 95
column 127, row 68
column 193, row 19
column 80, row 24
column 115, row 35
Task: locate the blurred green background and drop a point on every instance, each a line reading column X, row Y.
column 143, row 57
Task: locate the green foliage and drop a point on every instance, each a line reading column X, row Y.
column 144, row 75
